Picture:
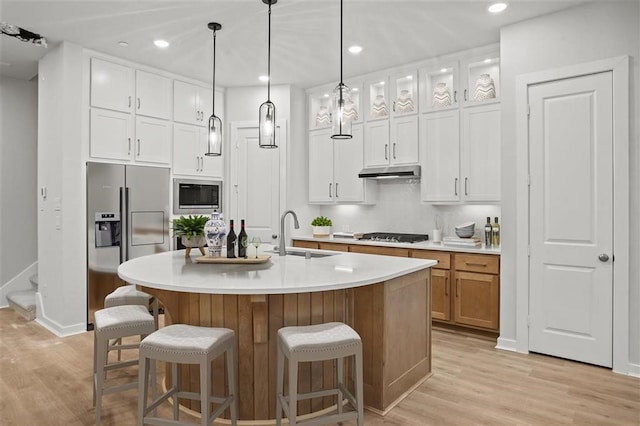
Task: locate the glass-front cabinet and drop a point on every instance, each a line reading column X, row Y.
column 377, row 90
column 321, row 105
column 439, row 87
column 404, row 91
column 482, row 84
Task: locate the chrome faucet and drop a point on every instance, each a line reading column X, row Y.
column 282, row 251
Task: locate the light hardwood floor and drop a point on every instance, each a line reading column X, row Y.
column 46, row 380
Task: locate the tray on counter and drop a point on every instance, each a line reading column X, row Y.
column 262, row 258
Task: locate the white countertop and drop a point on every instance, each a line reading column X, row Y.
column 424, row 245
column 280, row 274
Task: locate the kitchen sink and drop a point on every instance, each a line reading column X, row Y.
column 305, row 253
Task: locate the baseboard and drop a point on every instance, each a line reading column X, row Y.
column 53, row 326
column 18, row 283
column 634, row 370
column 506, row 344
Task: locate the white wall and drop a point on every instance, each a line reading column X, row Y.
column 582, row 34
column 18, row 179
column 61, row 215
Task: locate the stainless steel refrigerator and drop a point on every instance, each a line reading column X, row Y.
column 127, row 217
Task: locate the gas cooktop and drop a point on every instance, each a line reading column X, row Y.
column 395, row 237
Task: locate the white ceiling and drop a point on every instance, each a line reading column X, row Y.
column 305, row 34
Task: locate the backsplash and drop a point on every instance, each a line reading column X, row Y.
column 399, row 210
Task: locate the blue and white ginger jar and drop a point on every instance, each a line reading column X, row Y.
column 214, row 231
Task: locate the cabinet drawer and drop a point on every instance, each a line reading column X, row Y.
column 334, row 246
column 305, row 244
column 444, row 259
column 477, row 263
column 387, row 251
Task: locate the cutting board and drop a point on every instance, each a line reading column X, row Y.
column 262, row 258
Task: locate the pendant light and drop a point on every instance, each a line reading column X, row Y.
column 214, row 139
column 341, row 127
column 267, row 112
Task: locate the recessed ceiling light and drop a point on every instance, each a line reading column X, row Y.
column 355, row 89
column 487, row 61
column 161, row 43
column 497, row 7
column 409, row 77
column 123, row 43
column 355, row 49
column 381, row 83
column 326, row 95
column 443, row 70
column 263, row 78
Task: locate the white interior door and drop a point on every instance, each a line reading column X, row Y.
column 255, row 183
column 571, row 218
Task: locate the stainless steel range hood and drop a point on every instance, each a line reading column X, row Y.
column 390, row 172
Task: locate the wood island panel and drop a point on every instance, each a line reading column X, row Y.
column 392, row 318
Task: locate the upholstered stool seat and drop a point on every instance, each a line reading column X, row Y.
column 112, row 324
column 130, row 295
column 319, row 342
column 188, row 344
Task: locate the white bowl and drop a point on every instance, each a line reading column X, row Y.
column 464, row 233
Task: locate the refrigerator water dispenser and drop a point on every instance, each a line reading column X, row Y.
column 108, row 227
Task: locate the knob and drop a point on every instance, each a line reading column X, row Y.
column 274, row 236
column 603, row 257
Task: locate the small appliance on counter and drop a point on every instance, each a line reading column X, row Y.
column 348, row 235
column 392, row 237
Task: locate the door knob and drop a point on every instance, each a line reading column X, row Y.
column 603, row 257
column 274, row 236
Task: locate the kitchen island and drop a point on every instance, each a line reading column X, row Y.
column 386, row 300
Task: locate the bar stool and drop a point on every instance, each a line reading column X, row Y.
column 188, row 344
column 130, row 295
column 111, row 324
column 319, row 342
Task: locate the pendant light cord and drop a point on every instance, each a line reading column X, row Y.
column 213, row 100
column 269, row 59
column 341, row 82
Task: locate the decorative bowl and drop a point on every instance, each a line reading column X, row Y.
column 465, row 230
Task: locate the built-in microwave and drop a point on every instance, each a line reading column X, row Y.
column 191, row 196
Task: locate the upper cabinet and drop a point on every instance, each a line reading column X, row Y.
column 321, row 105
column 377, row 99
column 111, row 86
column 439, row 86
column 153, row 95
column 192, row 104
column 404, row 92
column 482, row 79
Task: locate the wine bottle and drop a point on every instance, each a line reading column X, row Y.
column 488, row 233
column 243, row 241
column 495, row 233
column 231, row 241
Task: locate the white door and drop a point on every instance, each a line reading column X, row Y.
column 321, row 148
column 571, row 213
column 187, row 158
column 111, row 134
column 403, row 147
column 347, row 163
column 441, row 156
column 376, row 145
column 111, row 85
column 153, row 95
column 153, row 140
column 255, row 183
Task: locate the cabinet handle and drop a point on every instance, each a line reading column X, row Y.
column 197, row 164
column 129, row 101
column 455, row 96
column 394, row 150
column 394, row 106
column 336, row 189
column 138, row 154
column 129, row 149
column 386, row 151
column 202, row 164
column 455, row 187
column 330, row 195
column 457, row 287
column 465, row 95
column 466, row 180
column 138, row 103
column 446, row 286
column 481, row 265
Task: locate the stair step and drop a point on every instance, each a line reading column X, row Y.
column 24, row 303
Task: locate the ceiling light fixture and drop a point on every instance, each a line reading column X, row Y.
column 161, row 44
column 497, row 7
column 263, row 78
column 341, row 125
column 267, row 111
column 487, row 61
column 123, row 43
column 355, row 49
column 214, row 139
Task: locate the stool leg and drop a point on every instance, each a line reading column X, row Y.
column 205, row 391
column 339, row 381
column 279, row 386
column 101, row 361
column 95, row 366
column 175, row 378
column 231, row 373
column 143, row 381
column 359, row 387
column 293, row 391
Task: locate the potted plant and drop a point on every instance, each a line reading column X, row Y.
column 321, row 226
column 191, row 229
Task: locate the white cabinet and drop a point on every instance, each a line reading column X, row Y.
column 153, row 140
column 461, row 161
column 192, row 104
column 153, row 95
column 481, row 147
column 404, row 92
column 189, row 146
column 111, row 85
column 334, row 165
column 111, row 134
column 393, row 142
